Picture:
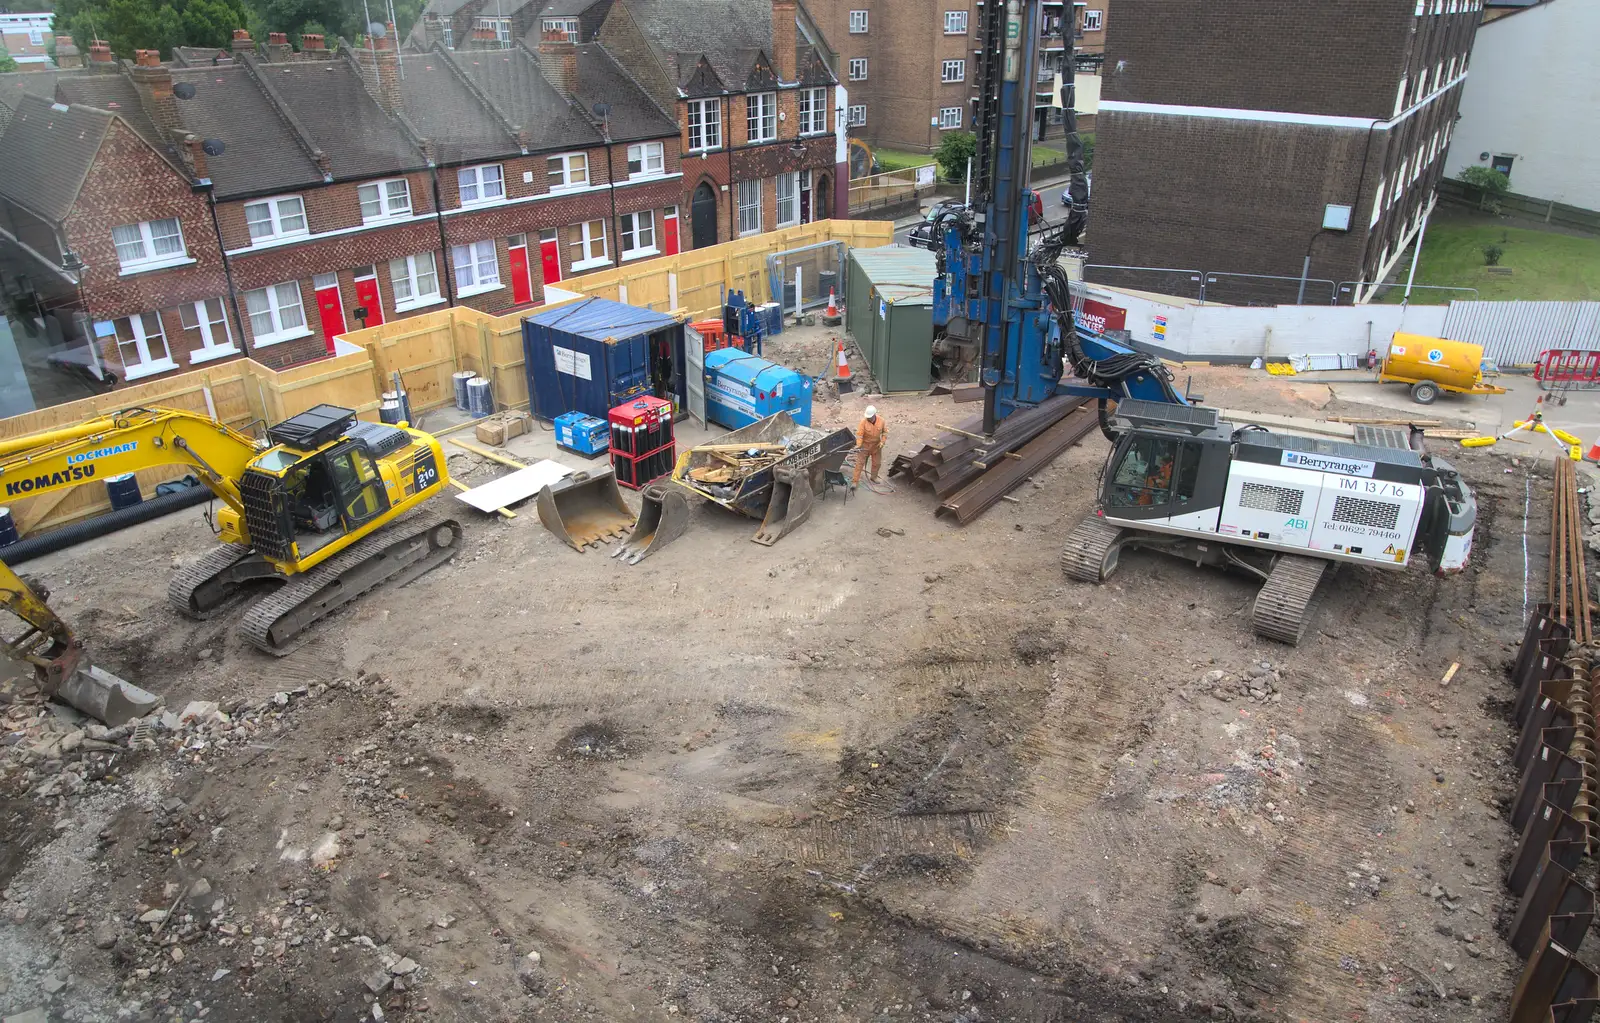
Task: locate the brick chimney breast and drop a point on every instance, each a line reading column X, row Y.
column 783, row 39
column 558, row 58
column 101, row 58
column 242, row 43
column 67, row 55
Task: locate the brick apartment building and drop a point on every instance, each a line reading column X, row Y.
column 1275, row 121
column 263, row 200
column 23, row 35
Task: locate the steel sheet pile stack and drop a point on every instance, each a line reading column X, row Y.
column 1557, row 675
column 969, row 472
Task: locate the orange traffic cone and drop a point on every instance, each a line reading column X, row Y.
column 1594, row 451
column 842, row 376
column 830, row 315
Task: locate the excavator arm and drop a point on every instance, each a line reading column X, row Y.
column 126, row 441
column 46, row 642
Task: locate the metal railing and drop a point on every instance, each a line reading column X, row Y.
column 892, row 187
column 1348, row 290
column 1229, row 288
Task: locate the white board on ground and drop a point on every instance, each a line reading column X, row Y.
column 514, row 487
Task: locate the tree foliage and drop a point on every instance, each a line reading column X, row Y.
column 7, row 62
column 953, row 154
column 130, row 25
column 1488, row 179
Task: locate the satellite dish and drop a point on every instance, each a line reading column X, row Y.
column 213, row 147
column 183, row 90
column 377, row 29
column 602, row 109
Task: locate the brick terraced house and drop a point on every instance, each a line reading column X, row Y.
column 1229, row 136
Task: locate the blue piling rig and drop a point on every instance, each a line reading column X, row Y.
column 1000, row 292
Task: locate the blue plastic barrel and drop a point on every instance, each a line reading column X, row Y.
column 124, row 491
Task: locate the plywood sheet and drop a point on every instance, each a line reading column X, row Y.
column 514, row 487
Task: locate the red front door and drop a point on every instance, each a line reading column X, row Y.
column 328, row 305
column 550, row 256
column 669, row 231
column 521, row 283
column 367, row 295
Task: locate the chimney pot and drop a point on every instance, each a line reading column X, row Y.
column 282, row 38
column 242, row 43
column 99, row 52
column 147, row 58
column 313, row 41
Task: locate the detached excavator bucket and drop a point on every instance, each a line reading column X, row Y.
column 585, row 509
column 103, row 695
column 792, row 498
column 663, row 517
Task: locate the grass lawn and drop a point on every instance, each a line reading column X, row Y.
column 895, row 159
column 1544, row 264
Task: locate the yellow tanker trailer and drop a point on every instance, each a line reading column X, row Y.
column 1433, row 364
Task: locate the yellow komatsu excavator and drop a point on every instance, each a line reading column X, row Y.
column 310, row 508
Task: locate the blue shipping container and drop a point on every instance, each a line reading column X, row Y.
column 594, row 354
column 742, row 389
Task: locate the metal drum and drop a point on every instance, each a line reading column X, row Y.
column 124, row 491
column 8, row 528
column 480, row 398
column 460, row 380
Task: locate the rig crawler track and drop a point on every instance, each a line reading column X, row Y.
column 1284, row 605
column 398, row 554
column 1091, row 551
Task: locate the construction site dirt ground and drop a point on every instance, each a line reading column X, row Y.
column 887, row 768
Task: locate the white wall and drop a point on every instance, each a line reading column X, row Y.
column 1533, row 92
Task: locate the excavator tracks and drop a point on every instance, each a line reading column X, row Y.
column 194, row 592
column 1284, row 605
column 398, row 553
column 1091, row 551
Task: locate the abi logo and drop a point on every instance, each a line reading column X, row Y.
column 1297, row 524
column 1435, row 355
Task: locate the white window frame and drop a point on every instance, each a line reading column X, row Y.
column 474, row 177
column 502, row 30
column 569, row 26
column 150, row 260
column 748, row 206
column 858, row 64
column 949, row 118
column 953, row 71
column 704, row 116
column 792, row 180
column 210, row 348
column 566, row 171
column 857, row 116
column 410, row 281
column 651, row 158
column 858, row 22
column 761, row 117
column 1377, row 204
column 146, row 364
column 1093, row 20
column 955, row 23
column 386, row 199
column 477, row 268
column 35, row 36
column 276, row 306
column 634, row 228
column 584, row 242
column 813, row 105
column 449, row 33
column 277, row 216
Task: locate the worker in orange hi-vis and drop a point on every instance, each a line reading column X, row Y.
column 870, row 436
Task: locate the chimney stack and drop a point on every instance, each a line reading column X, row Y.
column 196, row 158
column 783, row 39
column 153, row 80
column 278, row 48
column 242, row 43
column 314, row 47
column 559, row 60
column 67, row 55
column 380, row 71
column 100, row 58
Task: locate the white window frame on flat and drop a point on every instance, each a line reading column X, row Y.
column 281, row 212
column 502, row 30
column 584, row 239
column 761, row 117
column 857, row 117
column 704, row 120
column 749, row 200
column 813, row 111
column 858, row 22
column 638, row 235
column 151, row 234
column 449, row 33
column 1093, row 20
column 566, row 171
column 409, row 276
column 955, row 23
column 1377, row 204
column 478, row 178
column 389, row 199
column 276, row 309
column 858, row 69
column 791, row 216
column 477, row 268
column 953, row 71
column 567, row 26
column 949, row 118
column 139, row 343
column 650, row 157
column 205, row 322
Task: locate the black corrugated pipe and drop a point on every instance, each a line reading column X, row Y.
column 101, row 525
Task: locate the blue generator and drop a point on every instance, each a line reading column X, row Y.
column 742, row 389
column 582, row 435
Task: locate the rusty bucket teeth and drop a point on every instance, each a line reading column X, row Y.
column 792, row 498
column 663, row 517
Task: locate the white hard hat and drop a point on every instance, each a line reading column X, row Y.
column 872, row 410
